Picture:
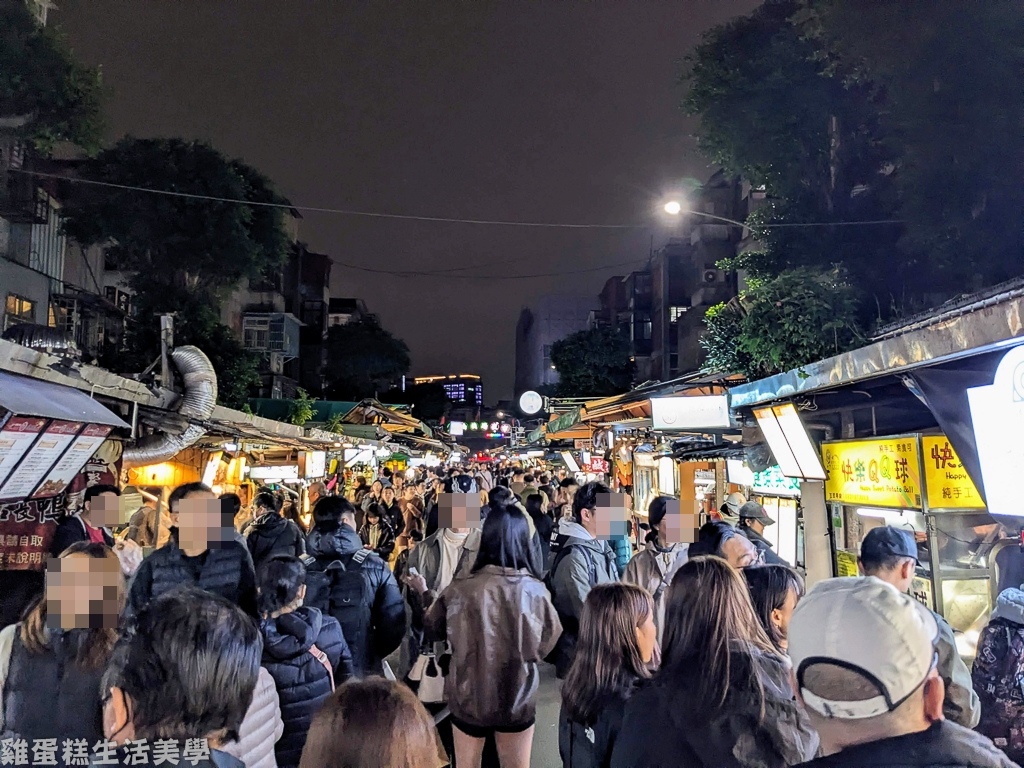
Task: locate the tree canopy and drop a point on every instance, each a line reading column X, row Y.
column 48, row 95
column 363, row 359
column 593, row 363
column 846, row 112
column 183, row 254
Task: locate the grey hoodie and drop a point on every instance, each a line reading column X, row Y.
column 571, row 582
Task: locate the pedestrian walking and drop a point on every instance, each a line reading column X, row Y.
column 998, row 673
column 377, row 534
column 722, row 696
column 500, row 624
column 753, row 520
column 391, row 511
column 184, row 676
column 864, row 662
column 615, row 648
column 304, row 651
column 775, row 591
column 653, row 567
column 52, row 662
column 537, row 508
column 581, row 562
column 355, row 586
column 202, row 552
column 373, row 723
column 890, row 554
column 270, row 534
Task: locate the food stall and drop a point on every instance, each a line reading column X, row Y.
column 917, row 482
column 780, row 497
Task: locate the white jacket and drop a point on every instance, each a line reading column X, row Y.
column 261, row 728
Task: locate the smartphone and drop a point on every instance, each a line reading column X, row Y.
column 413, row 571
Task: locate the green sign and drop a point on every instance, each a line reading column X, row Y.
column 771, row 482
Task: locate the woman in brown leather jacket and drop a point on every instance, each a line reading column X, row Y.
column 500, row 624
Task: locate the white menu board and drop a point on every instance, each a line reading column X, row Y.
column 16, row 438
column 81, row 450
column 44, row 454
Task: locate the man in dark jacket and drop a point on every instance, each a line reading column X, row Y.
column 864, row 660
column 271, row 534
column 353, row 585
column 582, row 559
column 100, row 511
column 203, row 553
column 180, row 683
column 753, row 521
column 890, row 554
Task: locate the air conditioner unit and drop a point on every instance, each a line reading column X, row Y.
column 276, row 363
column 713, row 276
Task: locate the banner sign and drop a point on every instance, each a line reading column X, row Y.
column 946, row 482
column 876, row 473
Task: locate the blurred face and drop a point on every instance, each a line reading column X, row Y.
column 200, row 522
column 104, row 511
column 377, row 487
column 388, row 494
column 458, row 511
column 608, row 518
column 83, row 592
column 647, row 638
column 740, row 552
column 675, row 527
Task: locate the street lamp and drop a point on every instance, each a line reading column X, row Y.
column 673, row 208
column 676, row 208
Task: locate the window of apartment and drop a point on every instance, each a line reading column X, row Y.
column 256, row 332
column 18, row 309
column 642, row 326
column 674, row 313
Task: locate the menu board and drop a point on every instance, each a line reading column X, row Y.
column 16, row 438
column 84, row 446
column 50, row 446
column 876, row 473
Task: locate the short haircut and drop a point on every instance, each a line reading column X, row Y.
column 887, row 563
column 568, row 482
column 528, row 478
column 386, row 472
column 186, row 490
column 586, row 498
column 278, row 582
column 96, row 490
column 267, row 500
column 329, row 511
column 545, row 478
column 500, row 495
column 711, row 537
column 190, row 666
column 231, row 503
column 518, row 472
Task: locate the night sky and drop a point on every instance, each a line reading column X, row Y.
column 544, row 111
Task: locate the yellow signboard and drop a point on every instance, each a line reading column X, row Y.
column 875, row 473
column 945, row 480
column 847, row 563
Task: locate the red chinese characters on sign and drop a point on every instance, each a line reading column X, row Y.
column 597, row 465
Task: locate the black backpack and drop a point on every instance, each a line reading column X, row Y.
column 565, row 649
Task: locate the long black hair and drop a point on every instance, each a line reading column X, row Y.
column 278, row 582
column 769, row 587
column 506, row 541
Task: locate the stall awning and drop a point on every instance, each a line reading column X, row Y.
column 31, row 397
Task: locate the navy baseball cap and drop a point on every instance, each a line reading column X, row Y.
column 887, row 541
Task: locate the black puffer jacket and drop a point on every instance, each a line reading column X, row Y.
column 226, row 571
column 582, row 746
column 302, row 681
column 691, row 735
column 944, row 745
column 272, row 535
column 49, row 696
column 363, row 597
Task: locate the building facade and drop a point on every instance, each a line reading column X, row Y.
column 460, row 388
column 550, row 319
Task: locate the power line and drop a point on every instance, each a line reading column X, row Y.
column 438, row 219
column 442, row 273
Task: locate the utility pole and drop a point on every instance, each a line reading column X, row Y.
column 166, row 345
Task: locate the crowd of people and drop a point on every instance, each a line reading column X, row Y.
column 409, row 624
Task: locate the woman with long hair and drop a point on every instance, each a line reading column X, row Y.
column 58, row 653
column 615, row 646
column 775, row 590
column 500, row 624
column 722, row 696
column 373, row 723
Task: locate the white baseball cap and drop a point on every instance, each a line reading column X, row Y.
column 868, row 626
